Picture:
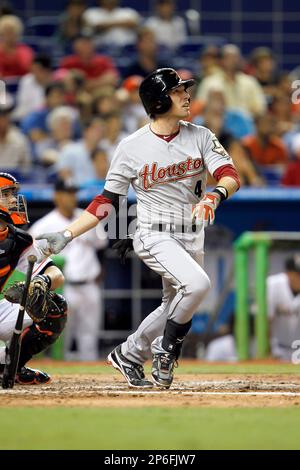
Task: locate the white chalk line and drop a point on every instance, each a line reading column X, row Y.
column 140, row 393
column 191, row 394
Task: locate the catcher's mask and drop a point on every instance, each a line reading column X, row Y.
column 154, row 90
column 11, row 203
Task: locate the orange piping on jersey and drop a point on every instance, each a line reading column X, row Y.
column 5, row 270
column 13, row 269
column 45, row 332
column 3, row 234
column 1, row 290
column 59, row 315
column 25, row 332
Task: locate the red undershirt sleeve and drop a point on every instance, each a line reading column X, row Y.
column 227, row 170
column 100, row 206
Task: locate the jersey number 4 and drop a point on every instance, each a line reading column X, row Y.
column 198, row 188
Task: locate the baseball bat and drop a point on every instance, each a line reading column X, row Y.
column 13, row 351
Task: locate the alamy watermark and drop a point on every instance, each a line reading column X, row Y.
column 166, row 218
column 296, row 354
column 296, row 92
column 2, row 93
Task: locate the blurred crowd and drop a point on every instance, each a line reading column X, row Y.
column 67, row 109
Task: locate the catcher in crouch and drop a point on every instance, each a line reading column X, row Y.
column 46, row 311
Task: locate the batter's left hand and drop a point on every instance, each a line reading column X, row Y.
column 204, row 211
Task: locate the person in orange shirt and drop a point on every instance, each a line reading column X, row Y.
column 265, row 148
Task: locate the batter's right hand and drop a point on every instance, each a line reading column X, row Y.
column 204, row 211
column 56, row 242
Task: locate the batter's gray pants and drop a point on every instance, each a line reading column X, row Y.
column 178, row 260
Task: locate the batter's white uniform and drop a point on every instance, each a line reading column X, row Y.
column 168, row 178
column 8, row 311
column 82, row 289
column 284, row 313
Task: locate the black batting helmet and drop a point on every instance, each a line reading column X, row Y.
column 154, row 90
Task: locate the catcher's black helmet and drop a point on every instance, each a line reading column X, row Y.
column 154, row 90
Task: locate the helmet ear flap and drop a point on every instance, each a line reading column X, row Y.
column 163, row 105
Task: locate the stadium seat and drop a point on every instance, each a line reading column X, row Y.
column 193, row 45
column 42, row 26
column 12, row 84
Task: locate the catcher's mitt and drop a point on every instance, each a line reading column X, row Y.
column 38, row 299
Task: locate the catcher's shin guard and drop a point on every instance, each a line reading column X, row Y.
column 38, row 337
column 174, row 335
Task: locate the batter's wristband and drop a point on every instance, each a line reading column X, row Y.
column 223, row 193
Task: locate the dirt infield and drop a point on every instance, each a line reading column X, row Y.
column 187, row 391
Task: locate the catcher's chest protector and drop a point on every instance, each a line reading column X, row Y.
column 11, row 248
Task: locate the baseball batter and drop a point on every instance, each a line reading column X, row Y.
column 166, row 162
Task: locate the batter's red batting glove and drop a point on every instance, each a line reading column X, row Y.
column 204, row 211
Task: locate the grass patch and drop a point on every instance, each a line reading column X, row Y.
column 185, row 367
column 149, row 429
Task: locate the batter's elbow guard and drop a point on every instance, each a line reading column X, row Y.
column 38, row 337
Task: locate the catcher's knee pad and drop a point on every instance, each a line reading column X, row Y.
column 174, row 335
column 39, row 336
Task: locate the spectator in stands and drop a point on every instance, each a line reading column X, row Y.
column 169, row 29
column 71, row 22
column 281, row 108
column 240, row 90
column 113, row 134
column 264, row 70
column 99, row 69
column 15, row 57
column 14, row 146
column 237, row 122
column 76, row 94
column 283, row 302
column 265, row 148
column 60, row 124
column 133, row 112
column 74, row 84
column 105, row 102
column 82, row 271
column 35, row 124
column 214, row 119
column 209, row 61
column 6, row 9
column 101, row 164
column 31, row 90
column 75, row 160
column 148, row 58
column 286, row 87
column 113, row 25
column 291, row 175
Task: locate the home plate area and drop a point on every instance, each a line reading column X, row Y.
column 187, row 390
